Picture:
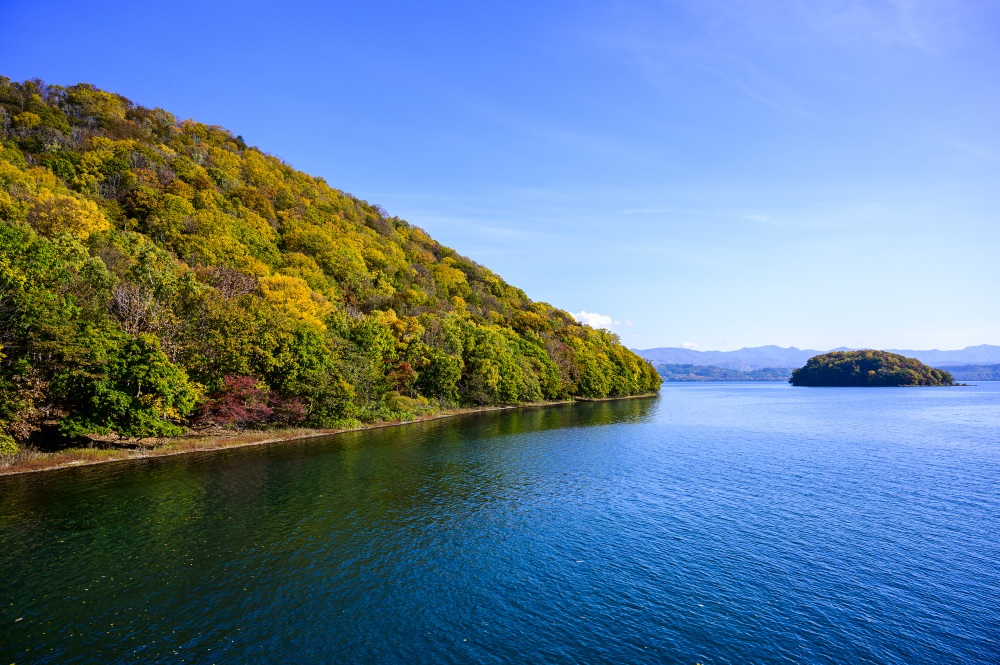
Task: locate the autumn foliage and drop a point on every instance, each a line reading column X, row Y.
column 157, row 273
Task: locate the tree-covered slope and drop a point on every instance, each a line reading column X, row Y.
column 156, row 274
column 867, row 368
column 681, row 372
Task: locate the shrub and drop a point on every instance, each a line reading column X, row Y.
column 241, row 402
column 8, row 446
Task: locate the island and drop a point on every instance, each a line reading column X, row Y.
column 868, row 368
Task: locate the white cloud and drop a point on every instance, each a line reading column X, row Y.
column 628, row 323
column 593, row 319
column 689, row 345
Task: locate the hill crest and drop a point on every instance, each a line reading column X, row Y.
column 156, row 274
column 760, row 357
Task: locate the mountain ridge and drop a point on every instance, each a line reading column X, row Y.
column 767, row 356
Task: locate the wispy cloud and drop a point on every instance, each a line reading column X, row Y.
column 918, row 24
column 497, row 233
column 742, row 42
column 980, row 152
column 762, row 218
column 753, row 82
column 907, row 23
column 646, row 211
column 660, row 60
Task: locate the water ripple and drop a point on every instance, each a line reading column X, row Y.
column 723, row 523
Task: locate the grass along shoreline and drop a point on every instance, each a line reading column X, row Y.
column 32, row 460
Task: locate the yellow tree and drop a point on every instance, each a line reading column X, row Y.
column 293, row 297
column 53, row 214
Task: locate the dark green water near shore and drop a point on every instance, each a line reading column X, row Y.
column 721, row 523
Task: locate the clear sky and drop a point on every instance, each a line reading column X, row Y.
column 728, row 173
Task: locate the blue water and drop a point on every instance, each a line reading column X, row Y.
column 719, row 523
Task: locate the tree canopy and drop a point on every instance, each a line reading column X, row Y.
column 156, row 273
column 867, row 368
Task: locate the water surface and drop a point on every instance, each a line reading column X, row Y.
column 720, row 523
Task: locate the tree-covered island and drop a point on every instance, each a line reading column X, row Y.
column 867, row 368
column 158, row 275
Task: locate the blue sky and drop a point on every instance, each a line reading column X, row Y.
column 721, row 174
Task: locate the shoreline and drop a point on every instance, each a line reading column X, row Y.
column 77, row 457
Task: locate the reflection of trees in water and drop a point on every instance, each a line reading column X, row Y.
column 234, row 477
column 525, row 420
column 342, row 514
column 447, row 462
column 355, row 492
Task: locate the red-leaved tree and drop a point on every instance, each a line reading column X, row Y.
column 241, row 402
column 287, row 410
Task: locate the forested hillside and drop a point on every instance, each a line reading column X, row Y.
column 158, row 274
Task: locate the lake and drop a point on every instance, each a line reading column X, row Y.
column 718, row 523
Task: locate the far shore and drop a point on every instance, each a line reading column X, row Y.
column 33, row 461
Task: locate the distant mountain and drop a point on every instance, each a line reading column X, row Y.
column 673, row 373
column 971, row 372
column 970, row 355
column 744, row 360
column 759, row 357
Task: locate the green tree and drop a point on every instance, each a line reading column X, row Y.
column 131, row 389
column 127, row 234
